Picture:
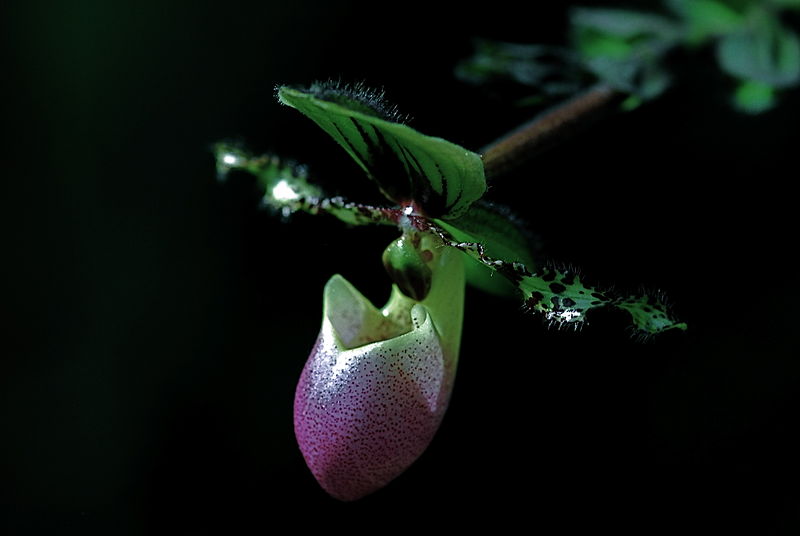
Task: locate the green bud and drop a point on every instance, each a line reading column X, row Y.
column 407, row 261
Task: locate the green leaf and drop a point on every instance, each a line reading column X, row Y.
column 645, row 80
column 707, row 18
column 550, row 70
column 753, row 97
column 607, row 47
column 653, row 81
column 631, row 103
column 616, row 34
column 442, row 178
column 765, row 53
column 788, row 4
column 500, row 233
column 622, row 23
column 624, row 49
column 620, row 75
column 286, row 188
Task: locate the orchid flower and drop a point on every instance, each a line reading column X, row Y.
column 377, row 382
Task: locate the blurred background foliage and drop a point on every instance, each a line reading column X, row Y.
column 629, row 50
column 156, row 321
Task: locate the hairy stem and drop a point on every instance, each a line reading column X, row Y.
column 548, row 128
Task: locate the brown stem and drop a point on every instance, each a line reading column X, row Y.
column 548, row 128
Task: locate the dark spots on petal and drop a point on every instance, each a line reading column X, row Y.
column 568, row 302
column 374, row 420
column 549, row 275
column 557, row 288
column 569, row 278
column 534, row 300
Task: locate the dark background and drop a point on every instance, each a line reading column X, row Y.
column 157, row 321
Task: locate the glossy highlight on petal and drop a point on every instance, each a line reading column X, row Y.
column 377, row 383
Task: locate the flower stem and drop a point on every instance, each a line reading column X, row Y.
column 548, row 128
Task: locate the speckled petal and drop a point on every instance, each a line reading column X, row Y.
column 377, row 383
column 364, row 414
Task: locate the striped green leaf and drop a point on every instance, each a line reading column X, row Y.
column 441, row 178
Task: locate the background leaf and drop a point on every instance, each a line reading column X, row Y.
column 443, row 178
column 706, row 18
column 766, row 52
column 623, row 23
column 754, row 97
column 550, row 71
column 624, row 49
column 789, row 4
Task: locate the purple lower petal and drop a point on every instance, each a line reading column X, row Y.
column 362, row 416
